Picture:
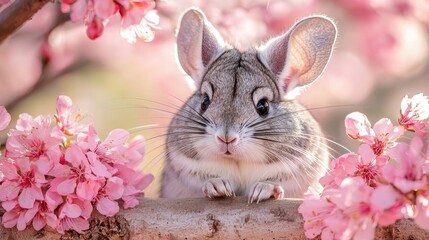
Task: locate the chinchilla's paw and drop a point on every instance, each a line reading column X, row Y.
column 217, row 187
column 264, row 190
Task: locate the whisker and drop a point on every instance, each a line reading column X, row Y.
column 252, row 123
column 308, row 137
column 193, row 120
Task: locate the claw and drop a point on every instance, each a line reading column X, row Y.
column 263, row 190
column 217, row 187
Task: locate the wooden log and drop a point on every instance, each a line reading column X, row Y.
column 16, row 14
column 229, row 218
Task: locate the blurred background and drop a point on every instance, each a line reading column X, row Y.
column 381, row 54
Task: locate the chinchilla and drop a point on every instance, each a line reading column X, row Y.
column 241, row 132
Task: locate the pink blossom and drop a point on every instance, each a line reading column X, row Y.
column 66, row 120
column 363, row 165
column 78, row 224
column 141, row 30
column 133, row 155
column 77, row 178
column 74, row 215
column 103, row 154
column 414, row 112
column 33, row 139
column 385, row 181
column 134, row 183
column 314, row 210
column 387, row 203
column 357, row 125
column 45, row 181
column 404, row 170
column 134, row 11
column 112, row 190
column 23, row 183
column 381, row 137
column 42, row 215
column 4, row 118
column 137, row 16
column 360, row 213
column 15, row 217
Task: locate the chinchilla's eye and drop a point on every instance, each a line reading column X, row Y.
column 263, row 107
column 205, row 103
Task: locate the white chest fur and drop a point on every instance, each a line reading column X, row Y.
column 242, row 175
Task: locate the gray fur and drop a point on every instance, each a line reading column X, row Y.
column 288, row 136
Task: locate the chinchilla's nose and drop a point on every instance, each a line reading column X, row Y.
column 230, row 138
column 227, row 139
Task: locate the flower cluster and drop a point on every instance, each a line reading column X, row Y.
column 138, row 17
column 386, row 180
column 56, row 170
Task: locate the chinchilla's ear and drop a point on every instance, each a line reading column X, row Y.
column 198, row 44
column 299, row 56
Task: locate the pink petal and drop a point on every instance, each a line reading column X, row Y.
column 117, row 137
column 21, row 224
column 67, row 187
column 107, row 207
column 357, row 125
column 406, row 186
column 96, row 166
column 43, row 165
column 114, row 188
column 422, row 216
column 29, row 215
column 383, row 198
column 367, row 154
column 130, row 202
column 79, row 224
column 93, row 139
column 86, row 207
column 9, row 191
column 38, row 222
column 104, row 9
column 51, row 220
column 144, row 181
column 4, row 118
column 64, row 105
column 383, row 126
column 74, row 155
column 10, row 218
column 26, row 198
column 70, row 210
column 95, row 28
column 25, row 122
column 37, row 192
column 348, row 189
column 59, row 171
column 85, row 190
column 416, row 146
column 79, row 11
column 135, row 151
column 9, row 170
column 9, row 205
column 23, row 164
column 53, row 199
column 366, row 231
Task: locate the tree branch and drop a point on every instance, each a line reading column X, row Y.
column 228, row 218
column 17, row 14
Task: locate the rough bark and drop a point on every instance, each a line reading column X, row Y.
column 206, row 219
column 17, row 14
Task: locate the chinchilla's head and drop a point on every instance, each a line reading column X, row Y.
column 240, row 109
